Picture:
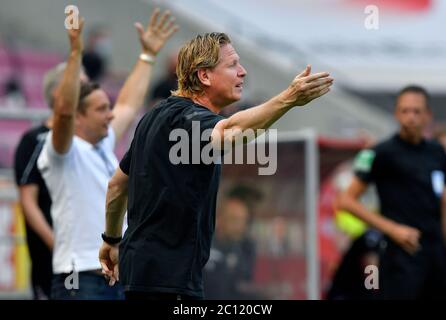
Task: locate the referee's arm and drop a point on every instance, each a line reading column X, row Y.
column 405, row 236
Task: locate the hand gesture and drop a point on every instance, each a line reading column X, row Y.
column 406, row 237
column 109, row 259
column 159, row 30
column 306, row 87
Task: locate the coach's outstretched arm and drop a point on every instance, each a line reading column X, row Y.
column 67, row 94
column 116, row 205
column 405, row 236
column 303, row 89
column 131, row 97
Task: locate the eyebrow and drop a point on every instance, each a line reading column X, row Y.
column 104, row 105
column 236, row 59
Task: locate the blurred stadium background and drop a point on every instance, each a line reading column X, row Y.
column 292, row 225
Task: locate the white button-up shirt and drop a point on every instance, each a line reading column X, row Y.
column 77, row 182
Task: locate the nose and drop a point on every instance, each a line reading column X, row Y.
column 242, row 72
column 412, row 116
column 110, row 115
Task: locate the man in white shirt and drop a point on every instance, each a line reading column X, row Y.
column 77, row 161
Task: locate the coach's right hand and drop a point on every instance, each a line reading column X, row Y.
column 406, row 237
column 109, row 259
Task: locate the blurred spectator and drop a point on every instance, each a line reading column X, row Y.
column 97, row 54
column 13, row 96
column 279, row 242
column 229, row 271
column 249, row 195
column 162, row 88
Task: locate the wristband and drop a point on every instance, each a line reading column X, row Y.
column 111, row 240
column 147, row 58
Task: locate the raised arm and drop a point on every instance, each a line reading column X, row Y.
column 131, row 97
column 67, row 94
column 303, row 89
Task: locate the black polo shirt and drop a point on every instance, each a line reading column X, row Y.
column 171, row 207
column 25, row 165
column 26, row 173
column 409, row 180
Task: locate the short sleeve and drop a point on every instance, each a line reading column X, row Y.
column 48, row 148
column 201, row 120
column 124, row 165
column 49, row 157
column 199, row 124
column 365, row 165
column 125, row 162
column 25, row 160
column 206, row 118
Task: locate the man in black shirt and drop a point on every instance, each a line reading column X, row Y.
column 409, row 174
column 35, row 203
column 171, row 205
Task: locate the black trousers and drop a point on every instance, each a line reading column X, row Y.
column 41, row 267
column 418, row 276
